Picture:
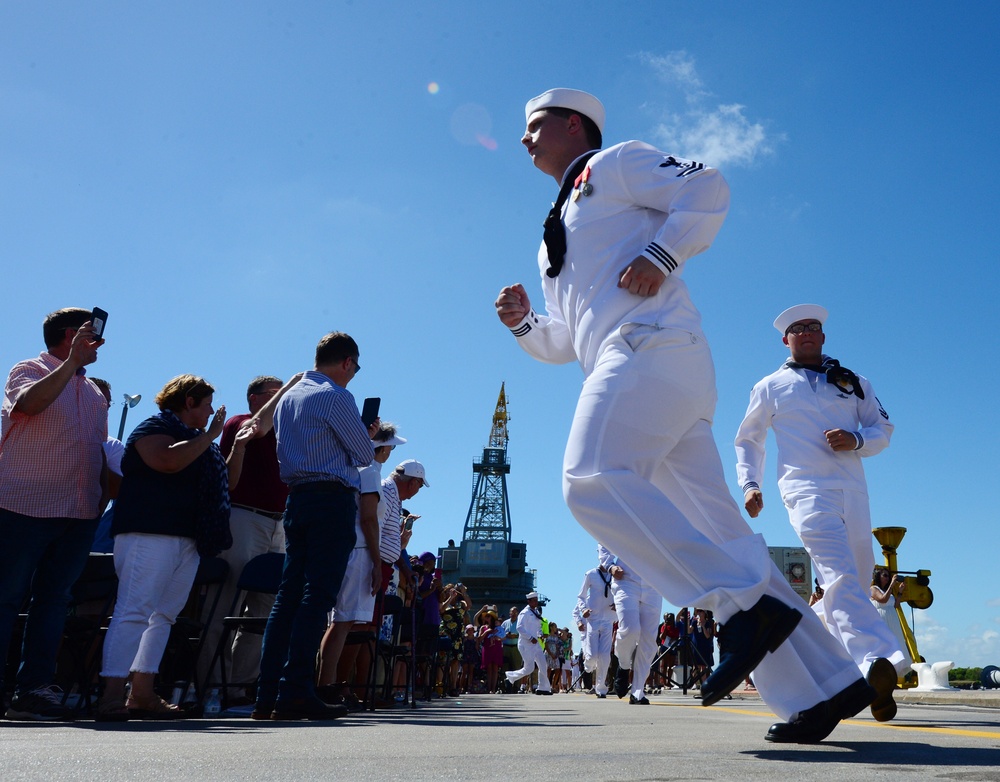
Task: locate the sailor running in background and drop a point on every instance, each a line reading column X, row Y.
column 529, row 644
column 637, row 606
column 595, row 617
column 825, row 419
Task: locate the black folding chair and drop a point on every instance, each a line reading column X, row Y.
column 91, row 603
column 385, row 651
column 261, row 574
column 187, row 636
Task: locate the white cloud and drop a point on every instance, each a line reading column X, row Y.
column 676, row 68
column 715, row 133
column 719, row 137
column 976, row 647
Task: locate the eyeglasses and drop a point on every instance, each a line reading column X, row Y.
column 802, row 328
column 357, row 366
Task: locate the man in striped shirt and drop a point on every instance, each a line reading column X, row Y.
column 321, row 446
column 53, row 476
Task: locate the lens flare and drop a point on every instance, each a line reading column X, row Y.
column 471, row 124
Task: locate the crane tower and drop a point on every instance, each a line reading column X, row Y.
column 489, row 511
column 487, row 561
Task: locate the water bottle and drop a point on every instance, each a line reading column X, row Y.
column 212, row 704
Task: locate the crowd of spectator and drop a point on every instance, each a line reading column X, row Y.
column 191, row 484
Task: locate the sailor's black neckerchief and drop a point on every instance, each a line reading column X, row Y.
column 843, row 378
column 607, row 581
column 555, row 231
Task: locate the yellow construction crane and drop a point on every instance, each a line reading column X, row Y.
column 498, row 434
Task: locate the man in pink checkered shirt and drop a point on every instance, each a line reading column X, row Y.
column 53, row 476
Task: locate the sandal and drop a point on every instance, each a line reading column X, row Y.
column 156, row 709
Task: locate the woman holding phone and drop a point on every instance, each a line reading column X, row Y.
column 173, row 505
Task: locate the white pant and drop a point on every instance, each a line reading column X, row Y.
column 155, row 574
column 836, row 530
column 597, row 652
column 532, row 655
column 643, row 477
column 253, row 534
column 355, row 601
column 638, row 607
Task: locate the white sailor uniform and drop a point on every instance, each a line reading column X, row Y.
column 825, row 493
column 529, row 627
column 637, row 607
column 642, row 473
column 597, row 596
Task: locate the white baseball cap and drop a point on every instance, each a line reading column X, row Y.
column 531, row 595
column 411, row 468
column 800, row 312
column 564, row 98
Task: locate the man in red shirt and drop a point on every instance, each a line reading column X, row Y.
column 258, row 499
column 53, row 479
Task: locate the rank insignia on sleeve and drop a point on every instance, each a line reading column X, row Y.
column 684, row 167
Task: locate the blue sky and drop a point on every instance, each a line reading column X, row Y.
column 231, row 180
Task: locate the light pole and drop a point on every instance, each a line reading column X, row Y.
column 130, row 402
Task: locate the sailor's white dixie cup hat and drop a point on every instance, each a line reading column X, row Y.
column 564, row 98
column 800, row 312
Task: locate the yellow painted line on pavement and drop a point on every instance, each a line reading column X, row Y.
column 979, row 734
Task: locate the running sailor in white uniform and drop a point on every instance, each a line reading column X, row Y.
column 825, row 420
column 641, row 471
column 595, row 617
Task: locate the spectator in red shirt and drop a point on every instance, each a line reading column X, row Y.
column 258, row 496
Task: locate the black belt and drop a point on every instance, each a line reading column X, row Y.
column 273, row 515
column 326, row 486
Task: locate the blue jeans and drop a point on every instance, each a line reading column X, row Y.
column 44, row 557
column 319, row 537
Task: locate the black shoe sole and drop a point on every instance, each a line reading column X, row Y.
column 812, row 736
column 809, row 727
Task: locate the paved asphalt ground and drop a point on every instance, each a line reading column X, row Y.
column 951, row 736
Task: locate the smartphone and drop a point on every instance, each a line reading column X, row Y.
column 369, row 412
column 98, row 319
column 408, row 524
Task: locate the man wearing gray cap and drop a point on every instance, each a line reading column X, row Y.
column 825, row 419
column 642, row 473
